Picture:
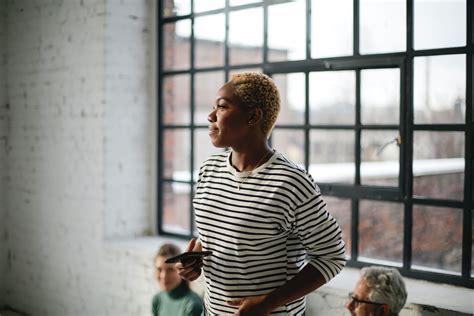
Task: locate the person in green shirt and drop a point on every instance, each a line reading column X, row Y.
column 176, row 298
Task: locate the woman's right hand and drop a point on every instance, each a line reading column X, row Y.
column 190, row 270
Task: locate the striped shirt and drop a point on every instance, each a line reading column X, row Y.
column 262, row 234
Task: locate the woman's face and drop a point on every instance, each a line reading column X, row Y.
column 228, row 121
column 166, row 274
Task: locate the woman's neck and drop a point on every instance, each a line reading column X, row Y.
column 250, row 159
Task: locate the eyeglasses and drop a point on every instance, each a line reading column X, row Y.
column 354, row 300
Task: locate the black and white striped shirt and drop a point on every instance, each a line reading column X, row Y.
column 261, row 234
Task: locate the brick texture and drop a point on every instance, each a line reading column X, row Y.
column 78, row 144
column 3, row 148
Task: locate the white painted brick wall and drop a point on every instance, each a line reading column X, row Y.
column 129, row 118
column 79, row 165
column 3, row 148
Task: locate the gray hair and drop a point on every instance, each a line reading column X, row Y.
column 386, row 286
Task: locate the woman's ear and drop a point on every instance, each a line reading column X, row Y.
column 255, row 115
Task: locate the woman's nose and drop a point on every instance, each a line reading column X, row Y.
column 349, row 305
column 211, row 118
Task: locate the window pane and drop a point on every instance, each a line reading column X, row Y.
column 382, row 26
column 177, row 43
column 206, row 86
column 381, row 231
column 176, row 153
column 209, row 33
column 440, row 23
column 440, row 89
column 176, row 208
column 245, row 49
column 437, row 239
column 203, row 149
column 340, row 209
column 332, row 156
column 176, row 94
column 292, row 93
column 286, row 40
column 331, row 28
column 438, row 164
column 380, row 156
column 290, row 143
column 242, row 2
column 380, row 96
column 237, row 71
column 332, row 97
column 176, row 7
column 206, row 5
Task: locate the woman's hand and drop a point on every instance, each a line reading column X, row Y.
column 190, row 270
column 251, row 306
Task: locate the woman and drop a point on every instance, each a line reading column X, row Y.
column 175, row 298
column 259, row 213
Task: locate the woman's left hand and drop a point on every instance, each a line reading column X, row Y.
column 251, row 306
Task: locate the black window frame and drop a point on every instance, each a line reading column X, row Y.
column 401, row 60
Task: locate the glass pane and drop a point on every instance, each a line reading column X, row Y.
column 340, row 209
column 380, row 96
column 287, row 31
column 438, row 165
column 290, row 143
column 203, row 149
column 176, row 211
column 176, row 153
column 332, row 97
column 177, row 43
column 380, row 156
column 332, row 156
column 437, row 239
column 176, row 7
column 206, row 5
column 292, row 94
column 440, row 89
column 382, row 26
column 381, row 231
column 331, row 28
column 245, row 49
column 206, row 86
column 236, row 71
column 242, row 2
column 440, row 23
column 209, row 33
column 176, row 94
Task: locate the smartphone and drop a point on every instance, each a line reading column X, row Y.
column 185, row 256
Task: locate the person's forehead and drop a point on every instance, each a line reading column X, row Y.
column 361, row 289
column 227, row 92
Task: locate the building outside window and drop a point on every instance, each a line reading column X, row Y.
column 376, row 105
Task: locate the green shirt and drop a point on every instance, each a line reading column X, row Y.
column 180, row 301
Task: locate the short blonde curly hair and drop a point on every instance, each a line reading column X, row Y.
column 258, row 90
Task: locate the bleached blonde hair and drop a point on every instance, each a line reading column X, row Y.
column 255, row 89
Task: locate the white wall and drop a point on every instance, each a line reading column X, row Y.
column 79, row 164
column 3, row 148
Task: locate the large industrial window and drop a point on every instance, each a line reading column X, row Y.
column 377, row 104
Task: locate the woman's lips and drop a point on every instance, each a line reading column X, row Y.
column 212, row 131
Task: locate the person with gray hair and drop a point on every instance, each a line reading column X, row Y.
column 379, row 292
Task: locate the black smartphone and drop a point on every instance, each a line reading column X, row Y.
column 186, row 256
